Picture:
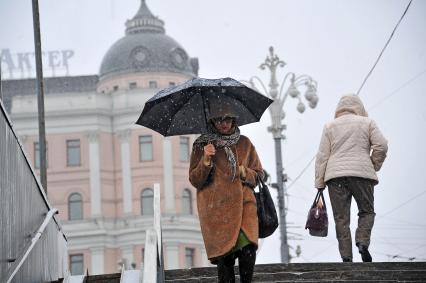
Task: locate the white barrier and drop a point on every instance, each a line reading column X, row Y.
column 153, row 270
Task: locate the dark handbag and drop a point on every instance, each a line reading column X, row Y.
column 317, row 221
column 266, row 213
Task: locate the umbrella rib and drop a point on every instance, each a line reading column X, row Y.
column 246, row 106
column 174, row 114
column 204, row 109
column 269, row 104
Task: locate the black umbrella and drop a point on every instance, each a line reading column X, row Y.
column 187, row 108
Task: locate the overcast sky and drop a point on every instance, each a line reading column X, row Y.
column 335, row 42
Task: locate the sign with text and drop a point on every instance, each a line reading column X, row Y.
column 23, row 63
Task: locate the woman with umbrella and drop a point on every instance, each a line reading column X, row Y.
column 224, row 167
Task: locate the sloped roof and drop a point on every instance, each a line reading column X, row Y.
column 56, row 85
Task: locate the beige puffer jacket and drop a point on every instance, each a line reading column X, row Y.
column 351, row 145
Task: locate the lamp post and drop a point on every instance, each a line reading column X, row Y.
column 1, row 93
column 275, row 91
column 40, row 94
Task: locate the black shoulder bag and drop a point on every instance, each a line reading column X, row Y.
column 266, row 213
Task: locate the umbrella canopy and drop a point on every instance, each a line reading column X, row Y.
column 187, row 108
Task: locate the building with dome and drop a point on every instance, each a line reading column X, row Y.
column 101, row 166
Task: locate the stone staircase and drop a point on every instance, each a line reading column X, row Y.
column 300, row 272
column 315, row 272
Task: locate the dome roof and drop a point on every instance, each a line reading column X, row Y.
column 146, row 48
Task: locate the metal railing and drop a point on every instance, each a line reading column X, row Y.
column 34, row 241
column 31, row 245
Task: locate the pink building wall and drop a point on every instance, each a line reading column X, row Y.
column 182, row 249
column 137, row 255
column 64, row 180
column 110, row 260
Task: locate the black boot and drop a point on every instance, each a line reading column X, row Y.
column 225, row 269
column 246, row 261
column 365, row 254
column 346, row 259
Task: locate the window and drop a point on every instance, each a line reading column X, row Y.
column 184, row 149
column 73, row 152
column 147, row 202
column 132, row 85
column 186, row 202
column 76, row 264
column 143, row 255
column 172, row 84
column 153, row 84
column 145, row 148
column 37, row 156
column 75, row 207
column 189, row 257
column 115, row 88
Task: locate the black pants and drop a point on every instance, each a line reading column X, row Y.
column 246, row 260
column 341, row 191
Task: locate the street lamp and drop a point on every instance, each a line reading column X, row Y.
column 277, row 116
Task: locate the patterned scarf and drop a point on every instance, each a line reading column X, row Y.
column 221, row 141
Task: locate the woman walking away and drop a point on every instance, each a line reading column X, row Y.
column 351, row 151
column 224, row 167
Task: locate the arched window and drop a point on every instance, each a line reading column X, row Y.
column 75, row 207
column 147, row 202
column 186, row 202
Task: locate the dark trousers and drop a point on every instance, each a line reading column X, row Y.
column 341, row 191
column 246, row 260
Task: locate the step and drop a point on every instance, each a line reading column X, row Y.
column 314, row 272
column 304, row 267
column 382, row 272
column 342, row 275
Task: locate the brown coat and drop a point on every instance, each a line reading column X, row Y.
column 226, row 206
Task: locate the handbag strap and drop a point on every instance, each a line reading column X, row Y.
column 316, row 199
column 319, row 196
column 260, row 183
column 259, row 180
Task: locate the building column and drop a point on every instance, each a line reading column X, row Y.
column 169, row 194
column 127, row 257
column 98, row 264
column 172, row 255
column 126, row 175
column 23, row 139
column 204, row 260
column 95, row 174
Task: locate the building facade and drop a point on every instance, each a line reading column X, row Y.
column 101, row 166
